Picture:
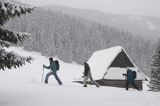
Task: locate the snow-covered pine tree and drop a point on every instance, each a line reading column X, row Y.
column 155, row 72
column 10, row 9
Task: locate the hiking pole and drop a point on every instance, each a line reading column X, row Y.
column 42, row 74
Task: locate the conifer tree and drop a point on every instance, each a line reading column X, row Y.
column 155, row 72
column 10, row 9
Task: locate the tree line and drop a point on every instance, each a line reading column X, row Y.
column 72, row 38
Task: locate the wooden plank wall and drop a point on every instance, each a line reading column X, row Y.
column 118, row 83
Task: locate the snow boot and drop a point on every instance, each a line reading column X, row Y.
column 85, row 86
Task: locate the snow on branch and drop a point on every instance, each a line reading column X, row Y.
column 10, row 59
column 12, row 36
column 10, row 9
column 5, row 43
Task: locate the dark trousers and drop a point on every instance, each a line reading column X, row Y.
column 133, row 84
column 55, row 75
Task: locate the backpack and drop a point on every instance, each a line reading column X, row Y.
column 57, row 64
column 134, row 74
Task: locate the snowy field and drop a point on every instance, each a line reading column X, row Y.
column 24, row 87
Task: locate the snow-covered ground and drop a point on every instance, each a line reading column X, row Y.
column 23, row 87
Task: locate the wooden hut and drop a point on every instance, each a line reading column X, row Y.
column 109, row 65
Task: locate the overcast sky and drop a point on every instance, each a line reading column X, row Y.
column 135, row 7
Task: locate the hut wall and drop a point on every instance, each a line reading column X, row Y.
column 118, row 83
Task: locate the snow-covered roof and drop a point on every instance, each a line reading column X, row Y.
column 101, row 60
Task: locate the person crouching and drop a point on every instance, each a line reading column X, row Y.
column 87, row 75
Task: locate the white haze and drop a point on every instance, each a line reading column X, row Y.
column 133, row 7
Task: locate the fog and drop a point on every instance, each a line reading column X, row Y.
column 133, row 7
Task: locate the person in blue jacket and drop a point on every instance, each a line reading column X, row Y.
column 53, row 71
column 130, row 79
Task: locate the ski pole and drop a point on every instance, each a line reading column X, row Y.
column 42, row 74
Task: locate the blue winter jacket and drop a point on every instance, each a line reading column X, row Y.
column 130, row 76
column 52, row 66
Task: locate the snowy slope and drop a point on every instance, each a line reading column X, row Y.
column 33, row 72
column 23, row 87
